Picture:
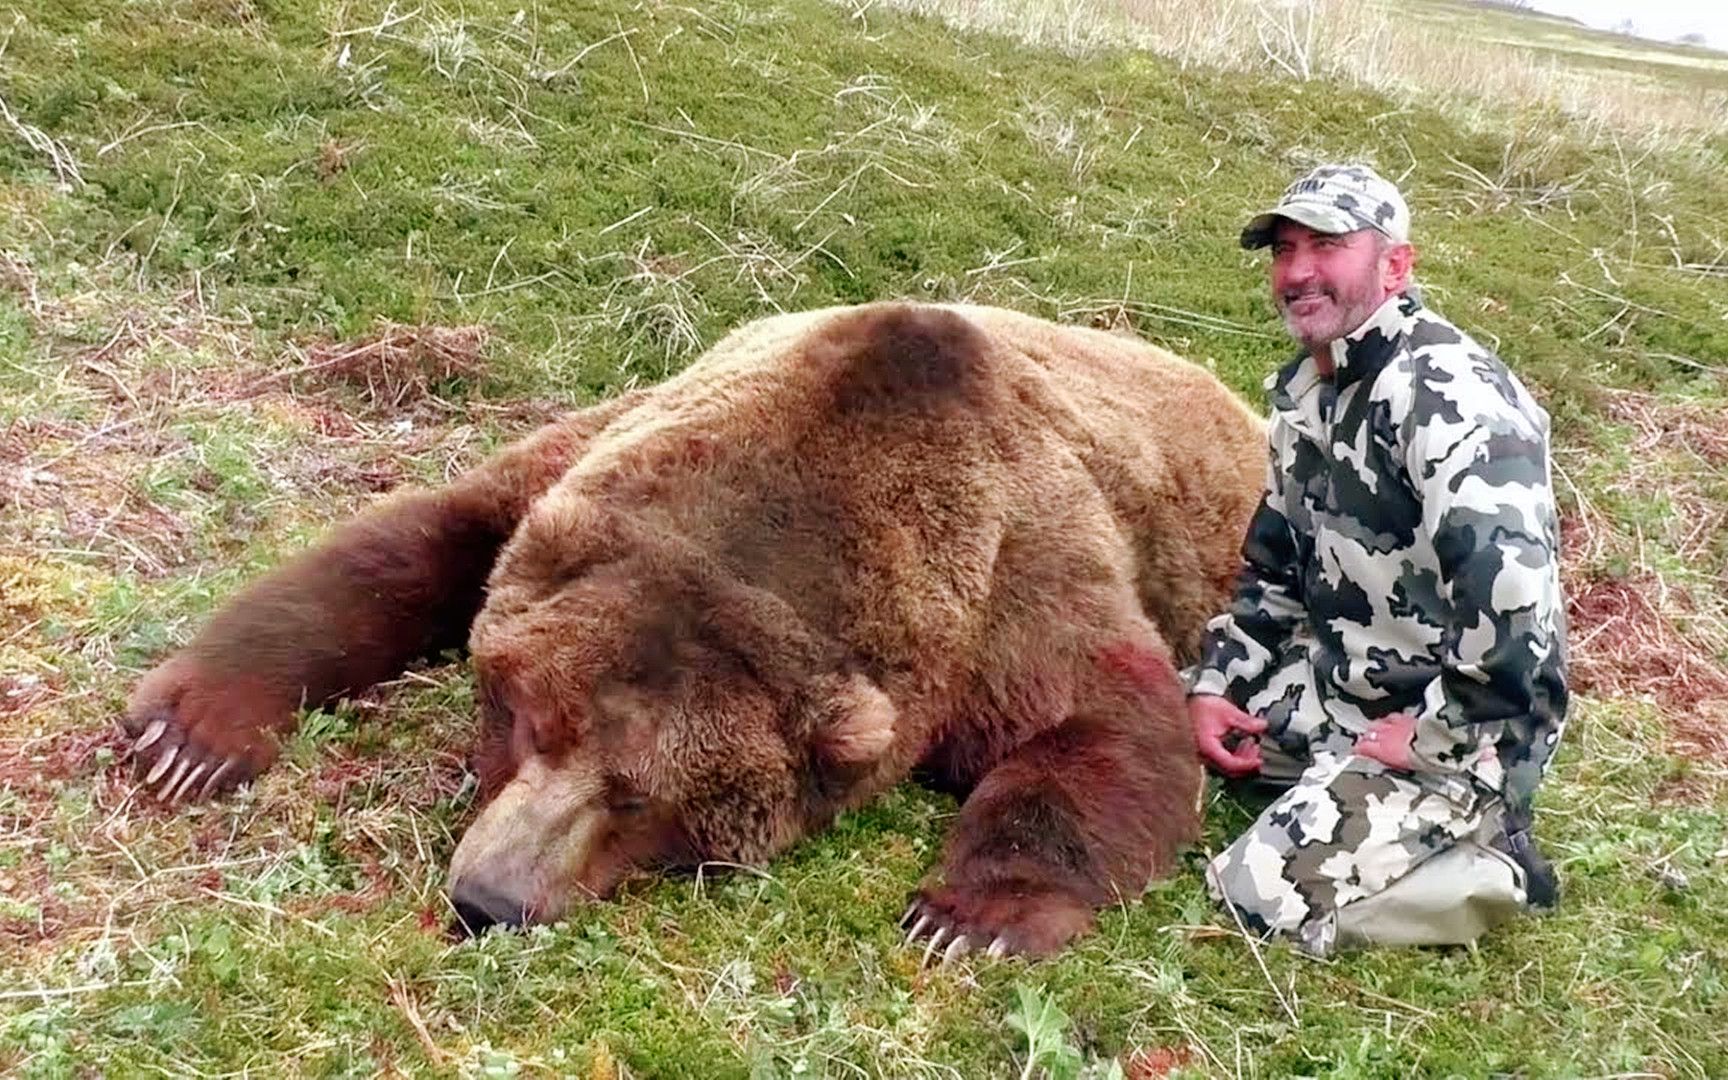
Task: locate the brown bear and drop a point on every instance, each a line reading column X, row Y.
column 708, row 616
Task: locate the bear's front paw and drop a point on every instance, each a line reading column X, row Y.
column 1002, row 918
column 197, row 733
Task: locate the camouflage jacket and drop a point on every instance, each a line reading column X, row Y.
column 1409, row 538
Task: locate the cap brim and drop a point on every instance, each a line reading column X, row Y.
column 1320, row 218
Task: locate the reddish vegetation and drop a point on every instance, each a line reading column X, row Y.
column 36, row 772
column 33, row 766
column 83, row 482
column 375, row 890
column 1625, row 645
column 1636, row 634
column 1152, row 1062
column 32, row 771
column 74, row 485
column 20, row 693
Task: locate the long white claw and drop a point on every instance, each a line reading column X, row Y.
column 911, row 909
column 152, row 732
column 173, row 778
column 210, row 781
column 918, row 928
column 162, row 764
column 186, row 785
column 958, row 947
column 998, row 949
column 935, row 940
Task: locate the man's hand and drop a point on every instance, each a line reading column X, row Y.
column 1227, row 738
column 1388, row 740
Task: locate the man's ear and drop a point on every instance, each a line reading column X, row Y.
column 1400, row 264
column 853, row 725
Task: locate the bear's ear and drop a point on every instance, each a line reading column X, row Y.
column 854, row 721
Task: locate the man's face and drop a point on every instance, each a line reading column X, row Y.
column 1326, row 284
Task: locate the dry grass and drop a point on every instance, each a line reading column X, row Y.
column 146, row 459
column 1354, row 43
column 395, row 365
column 112, row 461
column 67, row 171
column 241, row 855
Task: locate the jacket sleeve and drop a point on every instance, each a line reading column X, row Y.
column 1242, row 643
column 1477, row 454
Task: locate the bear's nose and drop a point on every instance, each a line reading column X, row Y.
column 479, row 907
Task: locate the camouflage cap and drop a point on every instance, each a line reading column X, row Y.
column 1336, row 199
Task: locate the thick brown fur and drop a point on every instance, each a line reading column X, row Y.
column 841, row 547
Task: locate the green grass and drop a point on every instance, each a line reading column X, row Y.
column 260, row 177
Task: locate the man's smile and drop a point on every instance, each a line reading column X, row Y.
column 1307, row 305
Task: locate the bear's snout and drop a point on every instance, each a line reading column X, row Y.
column 479, row 907
column 525, row 856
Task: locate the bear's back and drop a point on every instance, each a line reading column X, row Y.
column 869, row 462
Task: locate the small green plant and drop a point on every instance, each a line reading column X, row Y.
column 1048, row 1051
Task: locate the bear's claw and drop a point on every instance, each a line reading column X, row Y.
column 1016, row 918
column 152, row 732
column 958, row 947
column 182, row 781
column 960, row 944
column 173, row 768
column 181, row 788
column 194, row 733
column 210, row 781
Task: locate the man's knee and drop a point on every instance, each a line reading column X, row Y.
column 1451, row 898
column 1352, row 858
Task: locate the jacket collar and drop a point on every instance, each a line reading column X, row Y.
column 1358, row 355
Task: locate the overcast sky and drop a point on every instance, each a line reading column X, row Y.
column 1664, row 20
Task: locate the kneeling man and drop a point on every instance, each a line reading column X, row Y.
column 1394, row 657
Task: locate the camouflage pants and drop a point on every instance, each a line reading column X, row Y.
column 1354, row 853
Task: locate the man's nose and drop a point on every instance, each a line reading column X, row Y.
column 1298, row 267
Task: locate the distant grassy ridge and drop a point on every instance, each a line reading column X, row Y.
column 216, row 214
column 1473, row 58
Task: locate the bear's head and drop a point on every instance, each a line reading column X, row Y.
column 643, row 708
